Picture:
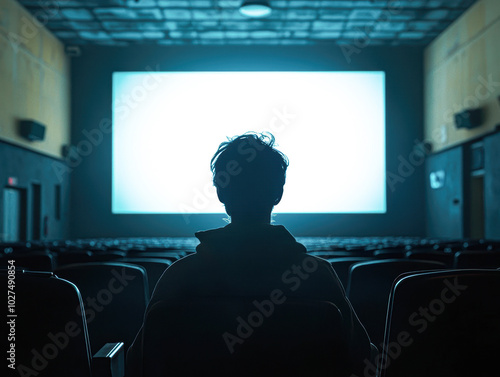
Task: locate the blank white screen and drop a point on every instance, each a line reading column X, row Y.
column 168, row 125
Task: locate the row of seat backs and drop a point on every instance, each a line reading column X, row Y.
column 476, row 318
column 369, row 285
column 369, row 292
column 442, row 323
column 460, row 259
column 460, row 338
column 41, row 261
column 465, row 259
column 47, row 334
column 52, row 337
column 224, row 336
column 115, row 296
column 48, row 260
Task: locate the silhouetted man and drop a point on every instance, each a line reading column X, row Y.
column 251, row 257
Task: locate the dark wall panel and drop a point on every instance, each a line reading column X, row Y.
column 91, row 109
column 492, row 186
column 38, row 176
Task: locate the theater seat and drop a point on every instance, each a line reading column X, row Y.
column 342, row 267
column 37, row 260
column 477, row 259
column 369, row 287
column 431, row 255
column 48, row 335
column 73, row 257
column 233, row 337
column 392, row 253
column 171, row 255
column 443, row 323
column 155, row 267
column 115, row 297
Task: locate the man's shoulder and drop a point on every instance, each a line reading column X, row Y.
column 234, row 236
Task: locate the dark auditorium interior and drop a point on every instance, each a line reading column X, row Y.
column 388, row 112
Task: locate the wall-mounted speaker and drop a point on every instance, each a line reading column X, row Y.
column 73, row 51
column 470, row 118
column 31, row 130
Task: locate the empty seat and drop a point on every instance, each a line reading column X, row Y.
column 342, row 254
column 107, row 255
column 477, row 259
column 171, row 255
column 324, row 254
column 296, row 338
column 155, row 267
column 342, row 267
column 443, row 323
column 369, row 287
column 50, row 336
column 115, row 297
column 73, row 256
column 477, row 245
column 40, row 260
column 392, row 253
column 431, row 255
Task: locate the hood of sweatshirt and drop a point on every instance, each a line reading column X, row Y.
column 253, row 238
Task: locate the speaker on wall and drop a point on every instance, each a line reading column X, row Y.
column 470, row 118
column 31, row 130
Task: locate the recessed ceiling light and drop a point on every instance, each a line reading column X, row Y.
column 255, row 9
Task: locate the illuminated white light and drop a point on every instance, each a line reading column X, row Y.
column 168, row 125
column 255, row 9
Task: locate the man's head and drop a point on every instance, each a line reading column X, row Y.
column 249, row 174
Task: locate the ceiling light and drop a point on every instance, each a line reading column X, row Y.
column 255, row 9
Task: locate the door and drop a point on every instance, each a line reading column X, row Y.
column 11, row 215
column 492, row 186
column 36, row 217
column 445, row 194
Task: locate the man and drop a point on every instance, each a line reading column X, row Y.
column 251, row 257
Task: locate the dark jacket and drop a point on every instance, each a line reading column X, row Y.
column 242, row 261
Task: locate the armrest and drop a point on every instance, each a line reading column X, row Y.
column 109, row 361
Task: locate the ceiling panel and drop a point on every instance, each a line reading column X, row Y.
column 190, row 22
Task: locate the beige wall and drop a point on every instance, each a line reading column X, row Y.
column 34, row 80
column 462, row 70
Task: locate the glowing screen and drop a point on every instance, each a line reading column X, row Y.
column 168, row 125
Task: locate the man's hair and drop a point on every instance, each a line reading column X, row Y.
column 249, row 173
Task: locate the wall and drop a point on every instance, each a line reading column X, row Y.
column 90, row 170
column 35, row 82
column 28, row 169
column 462, row 70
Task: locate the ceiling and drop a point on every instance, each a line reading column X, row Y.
column 216, row 22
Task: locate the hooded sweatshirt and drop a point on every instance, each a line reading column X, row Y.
column 242, row 261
